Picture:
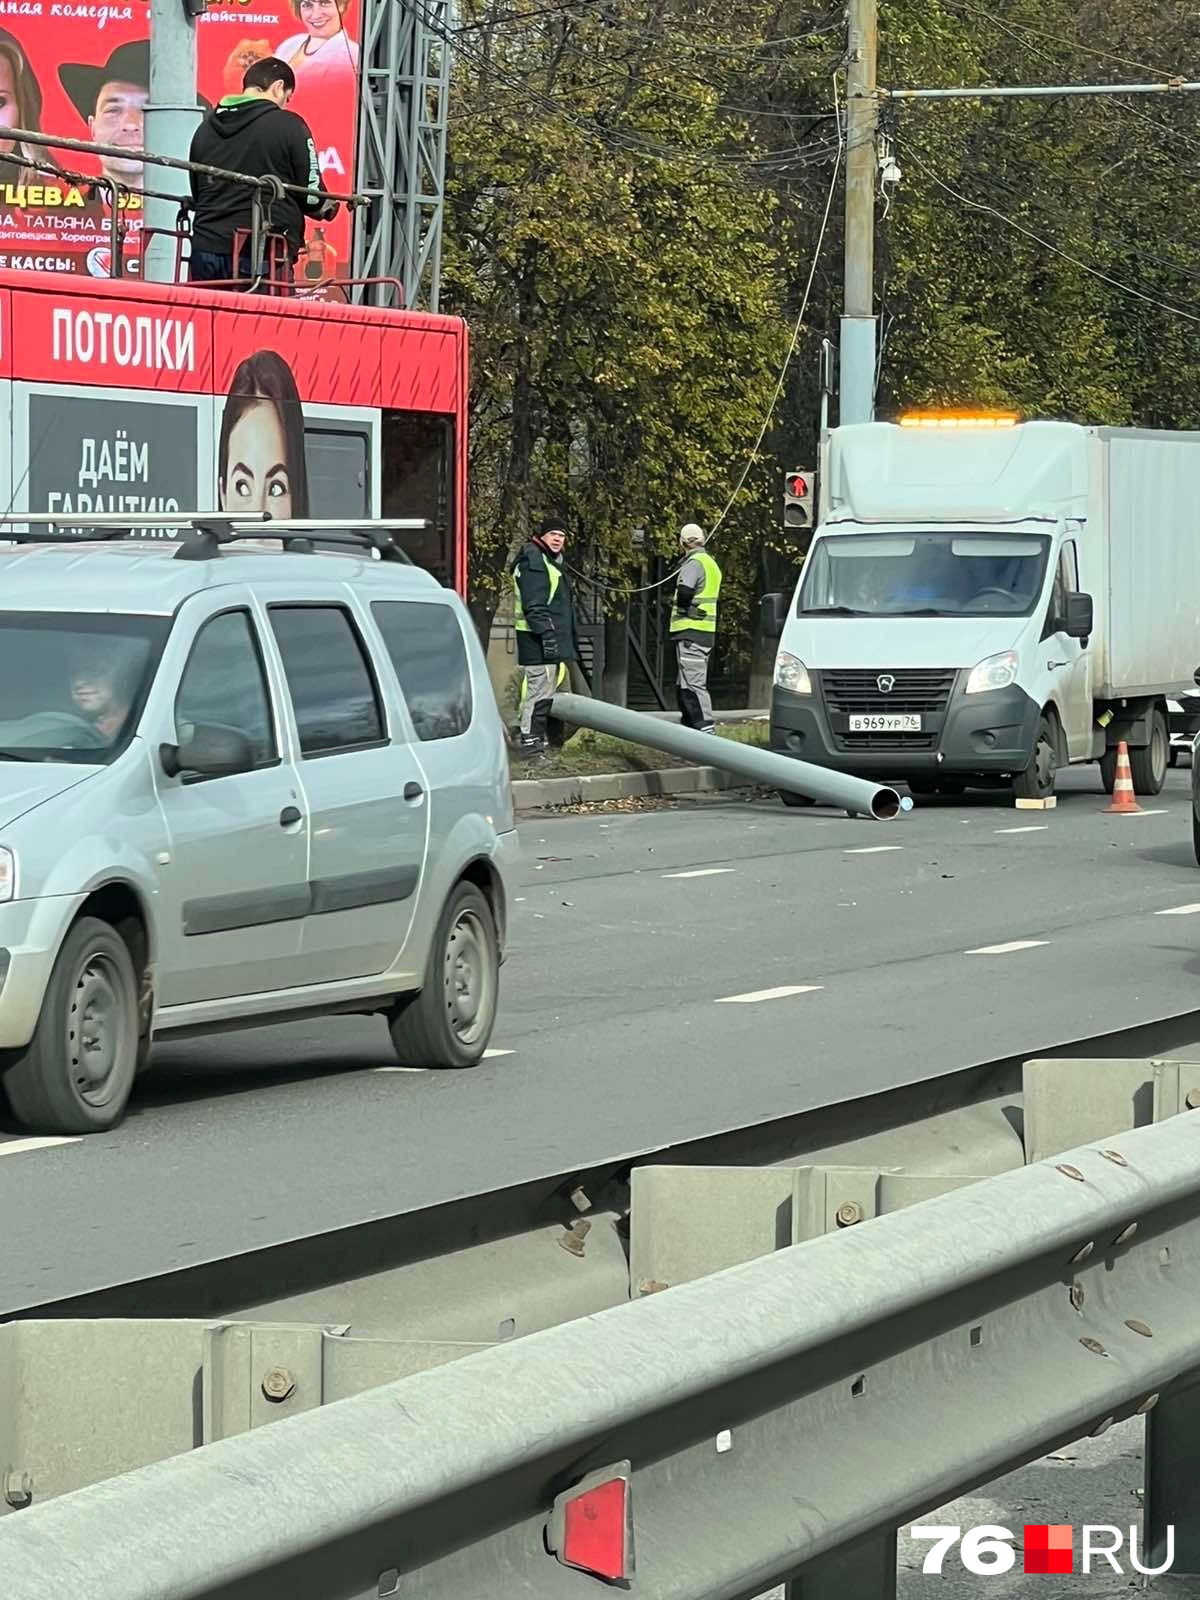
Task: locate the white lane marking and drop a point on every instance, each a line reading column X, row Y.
column 871, row 849
column 14, row 1147
column 1179, row 911
column 1007, row 949
column 488, row 1055
column 700, row 872
column 768, row 994
column 1030, row 827
column 1160, row 811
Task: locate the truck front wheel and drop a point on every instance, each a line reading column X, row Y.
column 1149, row 765
column 1037, row 781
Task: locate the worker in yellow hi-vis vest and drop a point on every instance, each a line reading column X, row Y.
column 694, row 627
column 547, row 643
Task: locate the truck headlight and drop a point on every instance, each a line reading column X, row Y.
column 996, row 672
column 8, row 875
column 791, row 674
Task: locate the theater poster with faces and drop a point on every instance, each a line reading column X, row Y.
column 81, row 69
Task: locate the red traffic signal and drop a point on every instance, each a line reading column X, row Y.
column 798, row 500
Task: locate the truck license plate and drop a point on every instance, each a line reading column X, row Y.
column 891, row 722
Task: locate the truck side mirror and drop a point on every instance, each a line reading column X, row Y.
column 1077, row 624
column 771, row 613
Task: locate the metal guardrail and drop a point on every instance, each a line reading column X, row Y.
column 774, row 1422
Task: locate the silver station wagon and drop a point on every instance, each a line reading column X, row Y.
column 238, row 786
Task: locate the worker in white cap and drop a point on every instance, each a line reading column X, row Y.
column 694, row 627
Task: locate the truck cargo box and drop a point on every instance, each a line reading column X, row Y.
column 1145, row 508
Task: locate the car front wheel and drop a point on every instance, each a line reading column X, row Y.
column 449, row 1023
column 76, row 1073
column 1037, row 781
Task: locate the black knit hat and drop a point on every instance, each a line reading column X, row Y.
column 550, row 525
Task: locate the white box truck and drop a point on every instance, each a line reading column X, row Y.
column 984, row 604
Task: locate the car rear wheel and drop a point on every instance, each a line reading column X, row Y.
column 449, row 1023
column 1148, row 765
column 77, row 1071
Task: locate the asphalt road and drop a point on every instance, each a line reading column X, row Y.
column 673, row 973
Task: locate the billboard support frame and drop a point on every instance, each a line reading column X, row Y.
column 404, row 99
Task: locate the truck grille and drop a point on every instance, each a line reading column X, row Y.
column 924, row 691
column 916, row 689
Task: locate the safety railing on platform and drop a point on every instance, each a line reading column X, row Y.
column 776, row 1422
column 259, row 236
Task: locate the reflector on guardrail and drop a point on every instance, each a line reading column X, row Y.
column 591, row 1526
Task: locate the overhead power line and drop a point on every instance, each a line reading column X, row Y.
column 1049, row 244
column 1007, row 26
column 617, row 139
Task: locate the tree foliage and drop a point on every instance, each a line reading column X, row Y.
column 635, row 196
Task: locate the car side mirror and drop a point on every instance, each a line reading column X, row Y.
column 210, row 753
column 771, row 614
column 1077, row 624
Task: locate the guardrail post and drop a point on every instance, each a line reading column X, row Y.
column 863, row 1571
column 1173, row 1481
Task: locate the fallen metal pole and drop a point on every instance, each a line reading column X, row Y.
column 748, row 761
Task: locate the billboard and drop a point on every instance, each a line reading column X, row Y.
column 81, row 69
column 136, row 398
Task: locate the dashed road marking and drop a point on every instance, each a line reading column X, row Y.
column 1156, row 811
column 1179, row 911
column 699, row 872
column 16, row 1147
column 1030, row 827
column 1007, row 949
column 488, row 1055
column 769, row 994
column 871, row 849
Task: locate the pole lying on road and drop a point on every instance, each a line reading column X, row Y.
column 748, row 761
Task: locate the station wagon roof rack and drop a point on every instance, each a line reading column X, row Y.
column 203, row 533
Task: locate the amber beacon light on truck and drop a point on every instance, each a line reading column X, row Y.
column 959, row 419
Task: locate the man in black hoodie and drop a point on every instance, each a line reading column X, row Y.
column 255, row 134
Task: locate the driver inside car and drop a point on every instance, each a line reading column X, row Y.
column 99, row 693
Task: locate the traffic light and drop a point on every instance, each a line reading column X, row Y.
column 798, row 501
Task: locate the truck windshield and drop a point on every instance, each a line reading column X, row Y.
column 72, row 683
column 950, row 574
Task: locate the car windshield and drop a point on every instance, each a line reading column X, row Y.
column 72, row 683
column 943, row 574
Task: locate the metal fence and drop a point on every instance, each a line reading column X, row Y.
column 775, row 1422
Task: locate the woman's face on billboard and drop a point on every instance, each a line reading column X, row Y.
column 257, row 477
column 10, row 109
column 322, row 18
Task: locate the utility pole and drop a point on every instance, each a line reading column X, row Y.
column 172, row 116
column 857, row 355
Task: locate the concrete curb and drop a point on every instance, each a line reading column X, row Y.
column 534, row 794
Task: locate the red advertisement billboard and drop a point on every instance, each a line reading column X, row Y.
column 81, row 68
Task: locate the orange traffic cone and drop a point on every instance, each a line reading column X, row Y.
column 1123, row 802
